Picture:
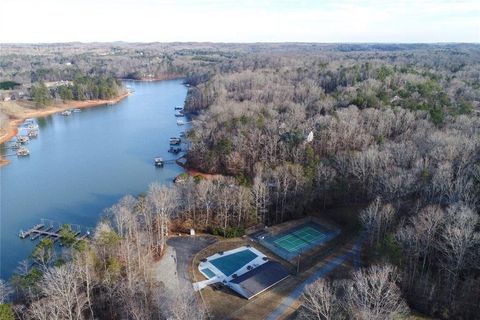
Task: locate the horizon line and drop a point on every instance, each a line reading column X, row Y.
column 253, row 42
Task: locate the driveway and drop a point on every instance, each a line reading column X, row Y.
column 185, row 249
column 320, row 273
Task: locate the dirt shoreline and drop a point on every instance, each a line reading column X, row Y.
column 207, row 176
column 162, row 78
column 16, row 120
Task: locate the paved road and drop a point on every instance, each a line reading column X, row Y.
column 186, row 247
column 321, row 272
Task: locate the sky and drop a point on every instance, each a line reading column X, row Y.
column 27, row 21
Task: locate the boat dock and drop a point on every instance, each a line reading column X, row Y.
column 175, row 142
column 46, row 229
column 24, row 234
column 159, row 162
column 35, row 235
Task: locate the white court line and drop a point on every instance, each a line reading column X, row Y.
column 292, row 245
column 300, row 244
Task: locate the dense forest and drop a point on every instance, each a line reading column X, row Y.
column 30, row 63
column 81, row 88
column 398, row 130
column 292, row 129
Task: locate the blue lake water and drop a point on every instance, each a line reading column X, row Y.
column 81, row 164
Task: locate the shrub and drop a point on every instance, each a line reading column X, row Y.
column 230, row 232
column 6, row 312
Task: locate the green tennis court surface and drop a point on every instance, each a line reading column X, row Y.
column 301, row 238
column 298, row 240
column 230, row 263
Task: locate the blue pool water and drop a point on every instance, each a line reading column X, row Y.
column 230, row 263
column 208, row 272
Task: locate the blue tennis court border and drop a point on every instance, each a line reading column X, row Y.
column 268, row 241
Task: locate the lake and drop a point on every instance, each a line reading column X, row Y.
column 83, row 163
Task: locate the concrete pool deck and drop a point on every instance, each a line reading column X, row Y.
column 225, row 265
column 245, row 270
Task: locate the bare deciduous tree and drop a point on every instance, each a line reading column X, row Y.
column 373, row 294
column 184, row 305
column 320, row 301
column 377, row 219
column 459, row 240
column 5, row 291
column 163, row 201
column 63, row 292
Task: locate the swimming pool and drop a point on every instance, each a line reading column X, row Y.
column 228, row 264
column 209, row 273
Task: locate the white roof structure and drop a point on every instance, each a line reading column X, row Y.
column 245, row 270
column 310, row 137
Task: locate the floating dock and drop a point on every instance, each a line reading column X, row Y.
column 23, row 139
column 174, row 150
column 22, row 152
column 175, row 141
column 159, row 162
column 24, row 234
column 36, row 235
column 46, row 230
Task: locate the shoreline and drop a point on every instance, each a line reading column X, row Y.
column 163, row 78
column 86, row 104
column 14, row 122
column 207, row 176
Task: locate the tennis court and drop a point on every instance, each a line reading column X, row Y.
column 294, row 241
column 299, row 239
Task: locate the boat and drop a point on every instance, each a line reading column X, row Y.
column 180, row 122
column 23, row 139
column 22, row 152
column 175, row 149
column 77, row 110
column 178, row 108
column 182, row 134
column 159, row 162
column 66, row 113
column 33, row 133
column 32, row 126
column 179, row 114
column 175, row 141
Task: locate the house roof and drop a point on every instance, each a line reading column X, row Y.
column 259, row 279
